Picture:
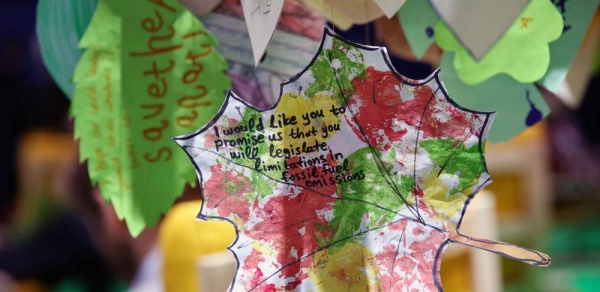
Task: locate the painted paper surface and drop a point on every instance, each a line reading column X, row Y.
column 353, row 179
column 522, row 52
column 390, row 7
column 478, row 24
column 577, row 16
column 298, row 35
column 261, row 20
column 59, row 25
column 518, row 106
column 418, row 20
column 148, row 73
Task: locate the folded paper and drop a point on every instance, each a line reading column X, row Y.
column 356, row 177
column 478, row 24
column 522, row 52
column 261, row 20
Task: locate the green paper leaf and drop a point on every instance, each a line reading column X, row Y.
column 577, row 16
column 148, row 73
column 60, row 24
column 522, row 52
column 500, row 93
column 418, row 20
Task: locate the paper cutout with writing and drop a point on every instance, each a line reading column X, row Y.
column 521, row 53
column 418, row 20
column 390, row 7
column 518, row 106
column 357, row 177
column 60, row 24
column 261, row 20
column 298, row 34
column 148, row 73
column 577, row 16
column 479, row 24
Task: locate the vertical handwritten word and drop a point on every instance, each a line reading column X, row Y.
column 161, row 72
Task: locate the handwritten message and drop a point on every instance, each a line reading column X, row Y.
column 293, row 145
column 149, row 73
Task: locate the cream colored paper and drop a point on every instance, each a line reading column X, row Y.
column 478, row 24
column 261, row 20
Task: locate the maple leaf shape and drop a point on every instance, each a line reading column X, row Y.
column 357, row 179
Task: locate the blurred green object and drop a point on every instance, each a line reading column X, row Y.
column 60, row 25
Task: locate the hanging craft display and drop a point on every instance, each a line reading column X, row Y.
column 357, row 177
column 479, row 24
column 298, row 34
column 149, row 72
column 59, row 25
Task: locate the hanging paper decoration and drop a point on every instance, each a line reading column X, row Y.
column 521, row 53
column 479, row 24
column 357, row 177
column 344, row 13
column 295, row 36
column 261, row 20
column 390, row 7
column 518, row 106
column 60, row 24
column 577, row 17
column 148, row 73
column 418, row 20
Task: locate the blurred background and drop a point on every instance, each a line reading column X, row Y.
column 548, row 179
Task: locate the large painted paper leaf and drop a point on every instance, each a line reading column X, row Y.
column 356, row 180
column 148, row 73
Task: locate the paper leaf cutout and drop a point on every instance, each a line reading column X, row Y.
column 357, row 177
column 479, row 24
column 148, row 73
column 261, row 20
column 60, row 24
column 518, row 106
column 390, row 7
column 521, row 53
column 577, row 17
column 418, row 20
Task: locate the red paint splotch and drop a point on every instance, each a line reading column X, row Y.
column 382, row 108
column 227, row 193
column 293, row 226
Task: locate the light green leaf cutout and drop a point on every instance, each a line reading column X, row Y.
column 418, row 20
column 148, row 73
column 522, row 52
column 60, row 24
column 514, row 102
